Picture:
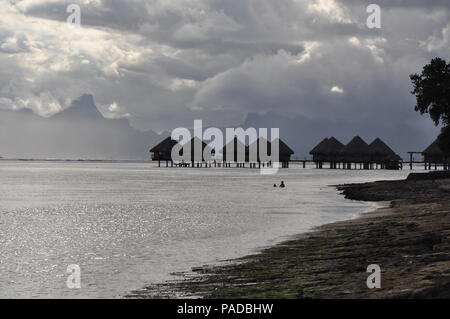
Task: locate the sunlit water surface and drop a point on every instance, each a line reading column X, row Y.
column 128, row 225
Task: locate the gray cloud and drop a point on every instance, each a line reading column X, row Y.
column 166, row 63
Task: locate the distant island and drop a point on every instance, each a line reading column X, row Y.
column 78, row 132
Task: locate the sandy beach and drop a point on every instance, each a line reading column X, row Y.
column 408, row 237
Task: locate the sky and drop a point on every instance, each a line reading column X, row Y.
column 164, row 63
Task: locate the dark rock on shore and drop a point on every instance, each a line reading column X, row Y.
column 429, row 176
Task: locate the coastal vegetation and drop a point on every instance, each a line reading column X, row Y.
column 432, row 92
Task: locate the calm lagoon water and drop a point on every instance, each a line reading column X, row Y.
column 128, row 225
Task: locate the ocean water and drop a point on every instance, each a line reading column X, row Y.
column 128, row 225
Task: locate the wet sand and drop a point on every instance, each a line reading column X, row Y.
column 409, row 238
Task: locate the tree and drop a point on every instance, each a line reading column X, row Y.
column 444, row 138
column 432, row 91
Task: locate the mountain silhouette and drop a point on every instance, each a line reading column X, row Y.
column 81, row 132
column 78, row 132
column 83, row 108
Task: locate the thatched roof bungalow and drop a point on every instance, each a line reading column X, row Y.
column 198, row 157
column 285, row 152
column 380, row 152
column 333, row 149
column 327, row 150
column 163, row 151
column 356, row 151
column 237, row 146
column 384, row 155
column 434, row 154
column 319, row 152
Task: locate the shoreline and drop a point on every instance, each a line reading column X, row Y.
column 409, row 239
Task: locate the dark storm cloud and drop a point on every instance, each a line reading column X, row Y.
column 169, row 62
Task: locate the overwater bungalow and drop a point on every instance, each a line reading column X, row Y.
column 198, row 155
column 163, row 151
column 333, row 151
column 383, row 155
column 319, row 152
column 434, row 155
column 357, row 152
column 240, row 152
column 328, row 150
column 285, row 152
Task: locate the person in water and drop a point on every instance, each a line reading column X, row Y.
column 274, row 185
column 282, row 184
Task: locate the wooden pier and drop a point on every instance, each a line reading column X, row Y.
column 305, row 163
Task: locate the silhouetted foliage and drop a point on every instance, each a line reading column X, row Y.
column 432, row 91
column 444, row 139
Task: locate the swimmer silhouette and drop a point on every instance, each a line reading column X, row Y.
column 274, row 185
column 282, row 185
